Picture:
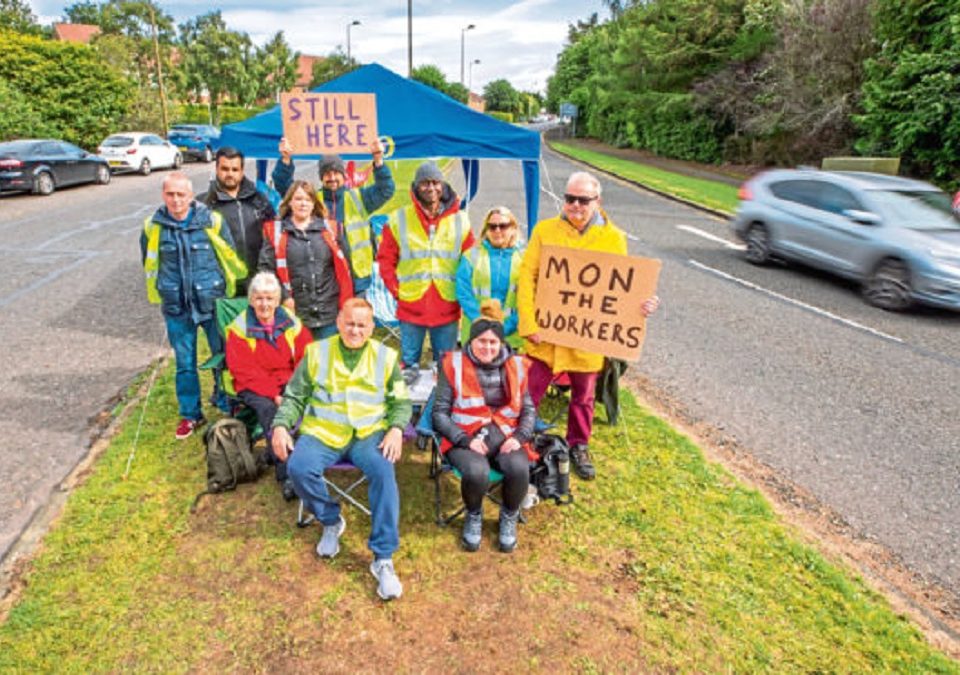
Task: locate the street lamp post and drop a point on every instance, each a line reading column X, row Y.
column 470, row 80
column 355, row 22
column 463, row 37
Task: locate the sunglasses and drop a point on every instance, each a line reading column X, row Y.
column 578, row 199
column 499, row 226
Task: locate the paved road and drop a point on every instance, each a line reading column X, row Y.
column 856, row 405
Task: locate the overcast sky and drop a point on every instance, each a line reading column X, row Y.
column 518, row 41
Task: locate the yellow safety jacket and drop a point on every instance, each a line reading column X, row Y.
column 231, row 265
column 426, row 260
column 345, row 402
column 483, row 283
column 357, row 226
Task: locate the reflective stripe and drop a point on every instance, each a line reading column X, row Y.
column 358, row 225
column 323, row 367
column 509, row 412
column 153, row 255
column 363, row 244
column 404, row 237
column 467, row 420
column 426, row 276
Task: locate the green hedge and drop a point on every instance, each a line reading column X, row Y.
column 189, row 113
column 502, row 116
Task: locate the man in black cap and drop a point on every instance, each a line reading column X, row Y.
column 350, row 209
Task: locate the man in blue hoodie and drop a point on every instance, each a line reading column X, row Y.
column 189, row 261
column 350, row 208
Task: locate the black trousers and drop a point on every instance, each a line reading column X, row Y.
column 265, row 410
column 475, row 471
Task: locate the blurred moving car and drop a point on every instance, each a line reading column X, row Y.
column 198, row 141
column 897, row 237
column 139, row 151
column 43, row 165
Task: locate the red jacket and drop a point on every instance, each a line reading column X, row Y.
column 266, row 368
column 431, row 309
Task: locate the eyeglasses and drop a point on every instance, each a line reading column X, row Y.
column 578, row 199
column 499, row 226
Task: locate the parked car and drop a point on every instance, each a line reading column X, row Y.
column 139, row 151
column 897, row 237
column 199, row 141
column 43, row 165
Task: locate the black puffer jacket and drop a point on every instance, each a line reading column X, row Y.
column 492, row 379
column 245, row 214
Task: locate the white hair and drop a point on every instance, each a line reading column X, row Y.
column 577, row 176
column 263, row 282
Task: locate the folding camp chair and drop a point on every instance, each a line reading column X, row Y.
column 305, row 518
column 225, row 311
column 384, row 304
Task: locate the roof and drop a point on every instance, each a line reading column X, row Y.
column 75, row 32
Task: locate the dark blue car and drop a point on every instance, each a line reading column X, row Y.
column 197, row 141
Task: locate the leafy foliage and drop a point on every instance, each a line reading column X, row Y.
column 16, row 15
column 501, row 96
column 332, row 66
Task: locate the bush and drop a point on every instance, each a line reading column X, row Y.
column 192, row 113
column 502, row 116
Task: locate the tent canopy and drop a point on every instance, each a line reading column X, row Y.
column 421, row 123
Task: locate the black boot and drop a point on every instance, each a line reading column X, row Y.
column 582, row 466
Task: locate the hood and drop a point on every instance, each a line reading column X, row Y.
column 197, row 219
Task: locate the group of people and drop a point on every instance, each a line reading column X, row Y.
column 302, row 356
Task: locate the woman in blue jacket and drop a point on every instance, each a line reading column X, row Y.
column 490, row 270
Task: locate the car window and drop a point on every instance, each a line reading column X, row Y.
column 800, row 191
column 117, row 142
column 835, row 199
column 49, row 148
column 155, row 140
column 917, row 210
column 184, row 129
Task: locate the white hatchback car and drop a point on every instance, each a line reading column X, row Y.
column 139, row 151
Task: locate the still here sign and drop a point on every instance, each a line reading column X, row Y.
column 326, row 124
column 591, row 300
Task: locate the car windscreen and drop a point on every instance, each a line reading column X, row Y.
column 117, row 142
column 183, row 130
column 917, row 209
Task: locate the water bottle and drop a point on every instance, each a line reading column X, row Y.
column 563, row 468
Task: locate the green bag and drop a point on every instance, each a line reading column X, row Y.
column 230, row 458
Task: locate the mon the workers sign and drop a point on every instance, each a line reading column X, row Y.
column 591, row 300
column 325, row 124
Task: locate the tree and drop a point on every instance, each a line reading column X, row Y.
column 276, row 68
column 458, row 92
column 16, row 15
column 501, row 96
column 431, row 76
column 215, row 61
column 18, row 118
column 332, row 66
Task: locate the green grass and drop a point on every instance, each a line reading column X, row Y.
column 708, row 193
column 664, row 563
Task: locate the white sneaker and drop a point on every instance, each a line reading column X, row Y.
column 329, row 544
column 388, row 584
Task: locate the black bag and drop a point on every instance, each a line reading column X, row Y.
column 552, row 475
column 230, row 458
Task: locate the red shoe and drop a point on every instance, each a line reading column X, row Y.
column 186, row 427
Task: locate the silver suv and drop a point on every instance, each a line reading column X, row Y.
column 897, row 237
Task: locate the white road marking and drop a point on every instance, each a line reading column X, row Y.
column 711, row 237
column 792, row 301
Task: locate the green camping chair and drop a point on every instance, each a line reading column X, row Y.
column 227, row 309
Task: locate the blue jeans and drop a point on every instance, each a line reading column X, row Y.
column 323, row 332
column 311, row 457
column 182, row 333
column 442, row 340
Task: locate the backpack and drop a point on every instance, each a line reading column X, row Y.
column 552, row 476
column 230, row 459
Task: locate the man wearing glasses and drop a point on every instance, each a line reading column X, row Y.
column 582, row 224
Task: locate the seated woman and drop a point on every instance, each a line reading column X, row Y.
column 490, row 270
column 484, row 416
column 264, row 345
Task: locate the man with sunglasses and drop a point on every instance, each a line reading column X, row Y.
column 582, row 224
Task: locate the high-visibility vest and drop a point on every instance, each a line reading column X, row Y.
column 238, row 327
column 231, row 264
column 469, row 410
column 482, row 283
column 344, row 402
column 426, row 260
column 357, row 226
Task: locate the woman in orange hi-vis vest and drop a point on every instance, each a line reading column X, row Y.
column 485, row 416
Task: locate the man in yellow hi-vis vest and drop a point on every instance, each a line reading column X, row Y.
column 189, row 260
column 352, row 403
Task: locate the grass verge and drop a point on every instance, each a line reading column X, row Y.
column 664, row 563
column 708, row 193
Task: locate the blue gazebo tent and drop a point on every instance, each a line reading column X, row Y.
column 420, row 121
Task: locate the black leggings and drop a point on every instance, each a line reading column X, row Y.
column 265, row 410
column 475, row 471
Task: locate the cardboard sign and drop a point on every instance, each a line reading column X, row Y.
column 326, row 124
column 591, row 301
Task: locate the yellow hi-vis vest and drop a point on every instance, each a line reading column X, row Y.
column 483, row 283
column 426, row 260
column 358, row 234
column 345, row 402
column 231, row 264
column 239, row 327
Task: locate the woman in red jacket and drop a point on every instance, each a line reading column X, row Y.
column 264, row 345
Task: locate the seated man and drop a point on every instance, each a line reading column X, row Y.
column 354, row 404
column 485, row 417
column 264, row 345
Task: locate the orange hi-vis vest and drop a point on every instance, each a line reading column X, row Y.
column 469, row 411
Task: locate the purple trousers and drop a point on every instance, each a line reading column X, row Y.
column 580, row 412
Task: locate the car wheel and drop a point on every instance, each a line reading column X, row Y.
column 888, row 287
column 103, row 175
column 177, row 161
column 43, row 184
column 207, row 154
column 145, row 167
column 758, row 244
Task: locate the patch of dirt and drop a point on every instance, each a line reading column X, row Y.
column 933, row 608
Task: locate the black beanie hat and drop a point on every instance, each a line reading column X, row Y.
column 490, row 319
column 332, row 163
